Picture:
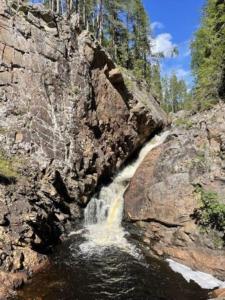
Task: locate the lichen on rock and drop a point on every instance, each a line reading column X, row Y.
column 177, row 195
column 66, row 111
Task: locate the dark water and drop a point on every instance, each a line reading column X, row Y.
column 113, row 274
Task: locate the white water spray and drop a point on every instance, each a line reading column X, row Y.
column 103, row 215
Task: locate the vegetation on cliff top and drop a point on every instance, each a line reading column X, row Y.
column 208, row 56
column 124, row 29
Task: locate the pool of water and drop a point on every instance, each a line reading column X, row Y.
column 102, row 262
column 109, row 274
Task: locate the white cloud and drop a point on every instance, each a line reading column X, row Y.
column 184, row 49
column 156, row 25
column 181, row 73
column 163, row 44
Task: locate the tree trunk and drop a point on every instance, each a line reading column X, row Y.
column 58, row 6
column 77, row 7
column 99, row 32
column 84, row 14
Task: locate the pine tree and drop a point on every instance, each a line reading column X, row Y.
column 156, row 83
column 122, row 27
column 208, row 55
column 175, row 94
column 141, row 43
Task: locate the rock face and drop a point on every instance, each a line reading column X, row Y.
column 163, row 196
column 68, row 121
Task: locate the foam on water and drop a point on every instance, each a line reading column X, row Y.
column 204, row 280
column 103, row 215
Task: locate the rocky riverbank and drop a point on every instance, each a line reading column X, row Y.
column 68, row 120
column 176, row 196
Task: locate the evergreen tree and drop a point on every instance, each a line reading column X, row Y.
column 122, row 27
column 208, row 55
column 156, row 83
column 175, row 94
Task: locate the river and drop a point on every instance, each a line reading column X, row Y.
column 103, row 260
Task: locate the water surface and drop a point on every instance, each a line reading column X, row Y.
column 101, row 262
column 111, row 274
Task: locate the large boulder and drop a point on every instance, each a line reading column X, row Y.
column 169, row 196
column 68, row 120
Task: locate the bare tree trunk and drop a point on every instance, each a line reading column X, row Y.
column 84, row 14
column 77, row 7
column 99, row 32
column 53, row 5
column 62, row 8
column 58, row 6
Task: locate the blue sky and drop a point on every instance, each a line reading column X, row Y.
column 174, row 23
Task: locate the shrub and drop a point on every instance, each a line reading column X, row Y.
column 212, row 212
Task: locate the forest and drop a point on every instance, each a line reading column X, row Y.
column 124, row 29
column 112, row 149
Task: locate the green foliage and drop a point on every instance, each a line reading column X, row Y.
column 122, row 27
column 208, row 56
column 212, row 212
column 175, row 94
column 156, row 83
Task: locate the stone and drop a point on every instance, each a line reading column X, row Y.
column 8, row 55
column 72, row 122
column 19, row 137
column 219, row 293
column 115, row 76
column 162, row 199
column 5, row 78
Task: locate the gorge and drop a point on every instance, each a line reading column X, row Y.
column 102, row 193
column 114, row 264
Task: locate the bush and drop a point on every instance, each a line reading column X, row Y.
column 212, row 212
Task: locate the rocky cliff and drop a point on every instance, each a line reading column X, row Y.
column 177, row 195
column 68, row 120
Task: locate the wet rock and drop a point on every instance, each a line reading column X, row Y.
column 162, row 198
column 68, row 121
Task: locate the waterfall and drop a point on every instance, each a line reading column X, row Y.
column 103, row 215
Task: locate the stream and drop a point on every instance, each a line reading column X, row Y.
column 103, row 260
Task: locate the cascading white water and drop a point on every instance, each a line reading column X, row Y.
column 103, row 215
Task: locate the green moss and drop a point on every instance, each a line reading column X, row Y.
column 7, row 167
column 3, row 130
column 201, row 157
column 181, row 122
column 199, row 161
column 75, row 90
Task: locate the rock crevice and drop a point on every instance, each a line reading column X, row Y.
column 69, row 118
column 165, row 190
